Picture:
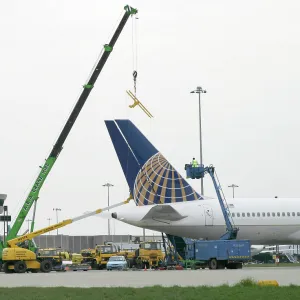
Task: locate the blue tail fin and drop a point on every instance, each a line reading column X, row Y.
column 150, row 177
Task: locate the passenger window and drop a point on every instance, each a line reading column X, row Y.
column 238, row 214
column 233, row 215
column 263, row 214
column 293, row 214
column 298, row 214
column 273, row 214
column 288, row 214
column 258, row 214
column 268, row 214
column 278, row 214
column 243, row 214
column 248, row 214
column 283, row 214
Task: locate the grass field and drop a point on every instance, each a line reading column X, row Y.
column 245, row 290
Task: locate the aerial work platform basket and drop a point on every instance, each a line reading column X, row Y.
column 194, row 172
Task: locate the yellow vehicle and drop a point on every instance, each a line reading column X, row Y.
column 148, row 255
column 88, row 255
column 103, row 253
column 57, row 256
column 129, row 254
column 20, row 260
column 77, row 258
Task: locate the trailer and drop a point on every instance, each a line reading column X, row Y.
column 219, row 254
column 77, row 267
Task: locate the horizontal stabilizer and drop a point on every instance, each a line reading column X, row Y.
column 163, row 212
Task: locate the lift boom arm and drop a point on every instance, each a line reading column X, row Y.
column 46, row 168
column 13, row 243
column 232, row 231
column 199, row 172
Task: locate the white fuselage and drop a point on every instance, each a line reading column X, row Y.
column 262, row 221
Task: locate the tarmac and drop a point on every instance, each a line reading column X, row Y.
column 137, row 279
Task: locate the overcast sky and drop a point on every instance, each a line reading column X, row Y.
column 245, row 53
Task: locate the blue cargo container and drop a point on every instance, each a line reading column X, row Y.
column 220, row 253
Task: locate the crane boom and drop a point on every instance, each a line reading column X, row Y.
column 13, row 242
column 58, row 146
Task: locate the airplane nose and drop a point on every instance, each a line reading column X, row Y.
column 114, row 215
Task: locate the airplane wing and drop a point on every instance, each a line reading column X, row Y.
column 163, row 212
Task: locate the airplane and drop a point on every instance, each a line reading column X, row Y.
column 165, row 201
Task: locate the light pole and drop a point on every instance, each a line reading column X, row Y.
column 198, row 91
column 57, row 210
column 233, row 186
column 108, row 185
column 49, row 223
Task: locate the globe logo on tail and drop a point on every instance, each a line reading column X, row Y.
column 158, row 182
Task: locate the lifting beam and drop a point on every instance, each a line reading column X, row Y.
column 138, row 102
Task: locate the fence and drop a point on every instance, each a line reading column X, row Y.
column 75, row 243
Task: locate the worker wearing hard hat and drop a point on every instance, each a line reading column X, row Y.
column 194, row 163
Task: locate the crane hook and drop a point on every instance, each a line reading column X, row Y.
column 134, row 80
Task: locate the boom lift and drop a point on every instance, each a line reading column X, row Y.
column 20, row 260
column 225, row 252
column 46, row 168
column 199, row 172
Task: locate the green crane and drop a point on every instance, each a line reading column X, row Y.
column 50, row 161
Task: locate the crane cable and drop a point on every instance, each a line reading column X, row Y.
column 134, row 51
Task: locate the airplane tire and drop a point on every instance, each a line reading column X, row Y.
column 213, row 264
column 20, row 266
column 46, row 266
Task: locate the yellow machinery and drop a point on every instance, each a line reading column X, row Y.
column 103, row 253
column 129, row 255
column 88, row 255
column 77, row 258
column 148, row 255
column 56, row 255
column 20, row 260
